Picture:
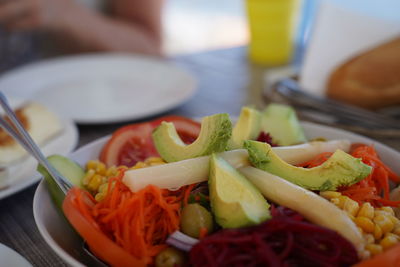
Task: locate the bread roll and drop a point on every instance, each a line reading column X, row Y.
column 370, row 80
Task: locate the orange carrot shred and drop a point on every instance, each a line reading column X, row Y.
column 203, row 232
column 375, row 187
column 138, row 222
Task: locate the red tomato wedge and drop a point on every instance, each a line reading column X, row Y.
column 81, row 219
column 133, row 143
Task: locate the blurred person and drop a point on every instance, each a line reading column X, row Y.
column 83, row 26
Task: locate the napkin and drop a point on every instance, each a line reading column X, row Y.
column 343, row 29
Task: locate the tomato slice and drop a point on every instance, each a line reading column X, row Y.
column 100, row 244
column 133, row 143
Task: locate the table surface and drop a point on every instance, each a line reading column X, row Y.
column 226, row 83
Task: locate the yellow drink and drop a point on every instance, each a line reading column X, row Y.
column 272, row 30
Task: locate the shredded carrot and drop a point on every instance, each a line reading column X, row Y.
column 203, row 232
column 375, row 187
column 187, row 194
column 138, row 222
column 318, row 160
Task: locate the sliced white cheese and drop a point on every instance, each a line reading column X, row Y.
column 42, row 126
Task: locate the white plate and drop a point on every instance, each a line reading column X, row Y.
column 24, row 174
column 102, row 88
column 65, row 242
column 11, row 258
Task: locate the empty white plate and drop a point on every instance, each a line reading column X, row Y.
column 102, row 88
column 11, row 258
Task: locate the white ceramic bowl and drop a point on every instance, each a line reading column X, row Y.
column 67, row 244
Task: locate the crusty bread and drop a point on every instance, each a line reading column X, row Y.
column 370, row 80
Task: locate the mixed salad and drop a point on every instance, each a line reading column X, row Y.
column 176, row 192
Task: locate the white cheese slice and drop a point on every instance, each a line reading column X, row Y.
column 42, row 125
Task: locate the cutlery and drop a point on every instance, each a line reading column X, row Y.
column 290, row 90
column 15, row 129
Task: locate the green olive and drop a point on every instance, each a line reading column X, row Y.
column 170, row 257
column 193, row 218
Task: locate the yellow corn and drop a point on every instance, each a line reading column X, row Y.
column 97, row 175
column 369, row 238
column 384, row 223
column 374, row 249
column 95, row 181
column 351, row 206
column 389, row 210
column 335, row 201
column 366, row 210
column 396, row 231
column 379, row 226
column 388, row 242
column 377, row 232
column 365, row 224
column 342, row 200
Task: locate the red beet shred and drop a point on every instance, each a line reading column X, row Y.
column 266, row 138
column 285, row 240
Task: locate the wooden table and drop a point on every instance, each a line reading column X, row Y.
column 226, row 83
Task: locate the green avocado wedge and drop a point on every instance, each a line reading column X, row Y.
column 66, row 167
column 247, row 127
column 235, row 201
column 281, row 122
column 341, row 169
column 215, row 132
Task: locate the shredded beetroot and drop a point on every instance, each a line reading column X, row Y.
column 266, row 138
column 284, row 240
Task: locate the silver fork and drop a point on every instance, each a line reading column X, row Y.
column 18, row 132
column 291, row 91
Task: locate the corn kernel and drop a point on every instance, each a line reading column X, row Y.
column 154, row 160
column 396, row 231
column 101, row 168
column 393, row 235
column 351, row 206
column 335, row 201
column 342, row 200
column 388, row 242
column 95, row 182
column 377, row 232
column 112, row 171
column 374, row 249
column 88, row 176
column 139, row 165
column 369, row 238
column 91, row 164
column 394, row 220
column 366, row 210
column 365, row 223
column 330, row 194
column 381, row 212
column 384, row 222
column 388, row 209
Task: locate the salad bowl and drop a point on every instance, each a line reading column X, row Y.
column 67, row 244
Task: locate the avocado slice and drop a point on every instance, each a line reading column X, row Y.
column 214, row 135
column 341, row 169
column 281, row 122
column 246, row 128
column 235, row 201
column 66, row 167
